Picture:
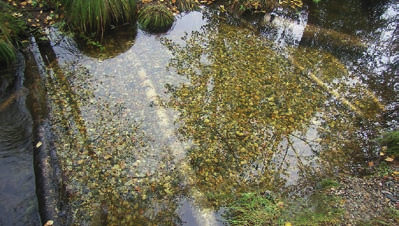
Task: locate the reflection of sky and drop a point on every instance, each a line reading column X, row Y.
column 285, row 32
column 186, row 23
column 381, row 47
column 137, row 76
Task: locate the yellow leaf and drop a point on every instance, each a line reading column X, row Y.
column 287, row 224
column 49, row 223
column 388, row 159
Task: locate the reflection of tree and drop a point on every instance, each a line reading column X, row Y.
column 244, row 102
column 105, row 177
column 372, row 67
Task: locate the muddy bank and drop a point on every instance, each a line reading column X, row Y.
column 44, row 156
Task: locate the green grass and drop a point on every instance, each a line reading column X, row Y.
column 253, row 209
column 328, row 183
column 7, row 52
column 258, row 210
column 155, row 18
column 11, row 26
column 390, row 143
column 98, row 15
column 319, row 209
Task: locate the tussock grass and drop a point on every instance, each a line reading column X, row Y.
column 97, row 15
column 155, row 18
column 253, row 209
column 7, row 52
column 10, row 28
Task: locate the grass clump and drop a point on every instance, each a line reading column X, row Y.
column 155, row 18
column 98, row 15
column 256, row 209
column 328, row 183
column 253, row 209
column 11, row 26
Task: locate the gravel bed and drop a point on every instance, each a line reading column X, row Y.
column 368, row 198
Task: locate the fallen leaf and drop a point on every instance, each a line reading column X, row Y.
column 389, row 159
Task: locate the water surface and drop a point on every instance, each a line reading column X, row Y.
column 167, row 129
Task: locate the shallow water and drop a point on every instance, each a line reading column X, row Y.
column 166, row 129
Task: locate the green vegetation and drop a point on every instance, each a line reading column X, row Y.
column 257, row 6
column 184, row 5
column 11, row 26
column 384, row 169
column 390, row 143
column 253, row 5
column 97, row 16
column 253, row 209
column 328, row 183
column 155, row 18
column 319, row 209
column 258, row 210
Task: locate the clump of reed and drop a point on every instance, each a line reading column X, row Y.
column 98, row 15
column 155, row 18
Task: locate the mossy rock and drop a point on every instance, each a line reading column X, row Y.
column 155, row 18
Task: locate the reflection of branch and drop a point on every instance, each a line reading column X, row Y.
column 300, row 163
column 285, row 155
column 328, row 89
column 227, row 144
column 308, row 143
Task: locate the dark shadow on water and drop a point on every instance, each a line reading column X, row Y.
column 18, row 202
column 113, row 43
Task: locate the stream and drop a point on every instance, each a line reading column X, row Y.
column 18, row 201
column 167, row 129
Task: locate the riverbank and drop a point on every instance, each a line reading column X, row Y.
column 347, row 199
column 369, row 200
